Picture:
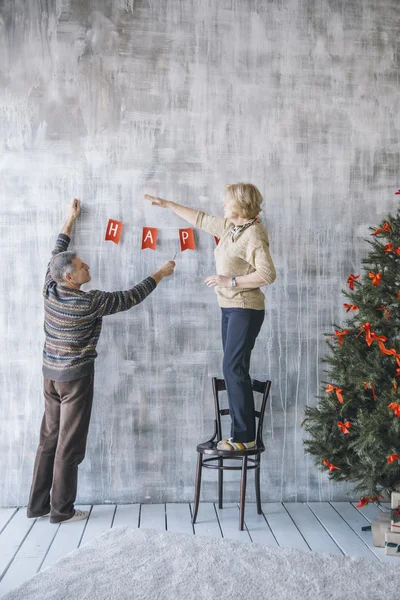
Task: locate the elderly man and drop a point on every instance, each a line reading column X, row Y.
column 73, row 320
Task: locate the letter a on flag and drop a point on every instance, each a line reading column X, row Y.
column 186, row 238
column 114, row 229
column 149, row 237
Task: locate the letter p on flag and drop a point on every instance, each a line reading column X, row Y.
column 149, row 237
column 186, row 238
column 114, row 229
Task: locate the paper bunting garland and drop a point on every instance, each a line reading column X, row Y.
column 113, row 231
column 149, row 238
column 186, row 238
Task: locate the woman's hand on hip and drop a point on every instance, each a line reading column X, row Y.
column 218, row 280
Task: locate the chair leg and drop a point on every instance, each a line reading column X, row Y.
column 258, row 495
column 243, row 492
column 197, row 487
column 220, row 482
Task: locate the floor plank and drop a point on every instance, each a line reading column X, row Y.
column 27, row 545
column 179, row 518
column 229, row 522
column 370, row 511
column 340, row 531
column 6, row 515
column 356, row 520
column 30, row 555
column 99, row 521
column 311, row 529
column 127, row 515
column 258, row 528
column 283, row 528
column 207, row 523
column 67, row 539
column 152, row 516
column 12, row 537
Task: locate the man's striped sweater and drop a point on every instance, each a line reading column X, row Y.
column 73, row 321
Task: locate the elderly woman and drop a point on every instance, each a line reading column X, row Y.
column 243, row 265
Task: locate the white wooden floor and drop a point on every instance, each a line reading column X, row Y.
column 29, row 545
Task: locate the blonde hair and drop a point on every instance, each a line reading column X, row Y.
column 247, row 199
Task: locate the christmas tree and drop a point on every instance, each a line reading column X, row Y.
column 354, row 431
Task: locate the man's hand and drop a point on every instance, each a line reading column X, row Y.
column 74, row 209
column 166, row 270
column 218, row 280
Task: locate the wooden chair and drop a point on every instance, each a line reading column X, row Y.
column 208, row 454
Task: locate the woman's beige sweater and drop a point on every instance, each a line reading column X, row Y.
column 249, row 253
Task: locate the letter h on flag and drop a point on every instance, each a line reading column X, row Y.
column 186, row 238
column 114, row 229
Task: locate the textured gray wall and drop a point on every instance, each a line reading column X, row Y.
column 104, row 100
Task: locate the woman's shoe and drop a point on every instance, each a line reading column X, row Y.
column 231, row 445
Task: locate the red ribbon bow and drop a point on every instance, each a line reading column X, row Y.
column 338, row 391
column 367, row 328
column 368, row 384
column 351, row 280
column 384, row 229
column 387, row 312
column 339, row 334
column 366, row 499
column 381, row 339
column 376, row 278
column 330, row 466
column 349, row 307
column 344, row 426
column 395, row 407
column 391, row 248
column 392, row 458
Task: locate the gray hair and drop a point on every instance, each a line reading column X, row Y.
column 61, row 264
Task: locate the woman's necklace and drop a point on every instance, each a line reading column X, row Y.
column 237, row 229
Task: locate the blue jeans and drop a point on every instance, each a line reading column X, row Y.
column 240, row 328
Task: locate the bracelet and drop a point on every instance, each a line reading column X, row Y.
column 234, row 283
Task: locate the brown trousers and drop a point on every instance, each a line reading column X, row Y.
column 62, row 447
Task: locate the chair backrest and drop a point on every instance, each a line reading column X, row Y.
column 261, row 387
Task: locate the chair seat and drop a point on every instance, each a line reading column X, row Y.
column 210, row 448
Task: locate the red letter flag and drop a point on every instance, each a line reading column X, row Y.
column 149, row 237
column 186, row 238
column 113, row 231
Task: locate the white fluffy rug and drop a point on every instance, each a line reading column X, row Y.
column 139, row 564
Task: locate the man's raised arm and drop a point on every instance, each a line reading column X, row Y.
column 63, row 238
